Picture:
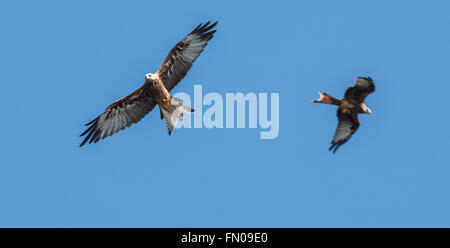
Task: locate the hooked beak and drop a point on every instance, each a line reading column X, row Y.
column 365, row 109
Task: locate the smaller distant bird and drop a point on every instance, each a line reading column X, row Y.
column 155, row 91
column 349, row 108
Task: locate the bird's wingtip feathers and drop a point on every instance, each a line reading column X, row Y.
column 204, row 28
column 333, row 148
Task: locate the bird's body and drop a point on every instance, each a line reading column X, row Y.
column 155, row 90
column 348, row 109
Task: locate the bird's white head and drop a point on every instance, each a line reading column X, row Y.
column 150, row 76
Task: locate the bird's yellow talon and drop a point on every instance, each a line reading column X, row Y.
column 345, row 111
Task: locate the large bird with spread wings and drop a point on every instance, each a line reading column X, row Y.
column 155, row 91
column 348, row 109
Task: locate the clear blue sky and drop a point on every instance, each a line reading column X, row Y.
column 62, row 64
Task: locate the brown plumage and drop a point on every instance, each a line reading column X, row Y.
column 348, row 109
column 156, row 90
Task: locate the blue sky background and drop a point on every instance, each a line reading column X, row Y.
column 62, row 63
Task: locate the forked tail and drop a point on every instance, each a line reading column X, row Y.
column 325, row 98
column 173, row 112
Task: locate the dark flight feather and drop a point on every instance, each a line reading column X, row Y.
column 347, row 126
column 358, row 92
column 183, row 55
column 119, row 115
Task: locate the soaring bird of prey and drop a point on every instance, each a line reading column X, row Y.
column 156, row 90
column 348, row 109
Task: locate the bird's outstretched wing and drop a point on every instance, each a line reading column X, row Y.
column 184, row 54
column 358, row 92
column 119, row 115
column 348, row 123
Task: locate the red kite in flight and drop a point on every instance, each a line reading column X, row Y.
column 132, row 108
column 349, row 108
